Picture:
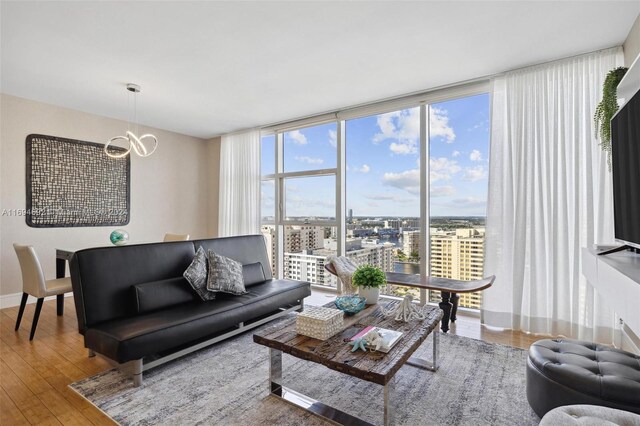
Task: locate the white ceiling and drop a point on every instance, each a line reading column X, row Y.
column 207, row 68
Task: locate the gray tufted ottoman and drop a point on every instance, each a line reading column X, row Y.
column 589, row 415
column 566, row 372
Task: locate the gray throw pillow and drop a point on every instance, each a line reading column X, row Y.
column 196, row 274
column 225, row 275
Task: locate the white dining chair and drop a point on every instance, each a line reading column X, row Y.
column 176, row 237
column 34, row 284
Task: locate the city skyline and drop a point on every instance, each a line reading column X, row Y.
column 456, row 253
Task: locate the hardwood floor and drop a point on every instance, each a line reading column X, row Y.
column 34, row 375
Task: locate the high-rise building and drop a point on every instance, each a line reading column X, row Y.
column 411, row 223
column 308, row 265
column 458, row 254
column 350, row 215
column 296, row 239
column 410, row 242
column 306, row 237
column 269, row 233
column 393, row 224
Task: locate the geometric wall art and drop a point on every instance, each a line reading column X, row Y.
column 73, row 183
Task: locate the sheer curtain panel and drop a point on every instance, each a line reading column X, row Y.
column 239, row 184
column 550, row 194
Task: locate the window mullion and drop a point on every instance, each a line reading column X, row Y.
column 341, row 198
column 424, row 198
column 279, row 188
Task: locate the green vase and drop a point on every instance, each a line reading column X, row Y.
column 119, row 237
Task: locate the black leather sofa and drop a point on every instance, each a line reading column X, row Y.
column 135, row 308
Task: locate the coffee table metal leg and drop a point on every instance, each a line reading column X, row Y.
column 389, row 409
column 275, row 372
column 426, row 364
column 303, row 401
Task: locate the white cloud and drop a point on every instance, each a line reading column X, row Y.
column 409, row 180
column 404, row 127
column 364, row 169
column 442, row 191
column 296, row 137
column 267, row 189
column 309, row 160
column 475, row 155
column 460, row 206
column 390, row 197
column 474, row 174
column 439, row 125
column 333, row 138
column 381, row 197
column 469, row 202
column 403, row 148
column 455, row 154
column 442, row 168
column 484, row 124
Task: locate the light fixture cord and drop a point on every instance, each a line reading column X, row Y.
column 135, row 111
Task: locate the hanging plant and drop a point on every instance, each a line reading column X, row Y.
column 607, row 107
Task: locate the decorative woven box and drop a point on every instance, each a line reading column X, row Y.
column 319, row 323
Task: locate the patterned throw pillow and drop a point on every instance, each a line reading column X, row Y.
column 225, row 275
column 196, row 274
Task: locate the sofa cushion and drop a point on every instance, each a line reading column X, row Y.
column 196, row 274
column 161, row 294
column 253, row 274
column 133, row 338
column 225, row 275
column 102, row 277
column 268, row 296
column 152, row 333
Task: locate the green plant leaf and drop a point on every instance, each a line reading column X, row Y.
column 607, row 108
column 368, row 276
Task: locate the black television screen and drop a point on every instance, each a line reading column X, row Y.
column 625, row 156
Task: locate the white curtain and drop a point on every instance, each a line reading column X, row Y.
column 239, row 211
column 550, row 194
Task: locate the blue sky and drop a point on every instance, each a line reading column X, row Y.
column 383, row 163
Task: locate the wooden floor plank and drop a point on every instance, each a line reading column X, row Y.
column 10, row 414
column 30, row 406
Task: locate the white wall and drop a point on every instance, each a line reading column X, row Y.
column 631, row 45
column 213, row 145
column 170, row 190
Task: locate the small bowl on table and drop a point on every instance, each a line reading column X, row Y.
column 350, row 305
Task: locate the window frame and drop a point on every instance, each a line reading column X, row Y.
column 424, row 102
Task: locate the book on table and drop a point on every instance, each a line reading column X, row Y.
column 389, row 337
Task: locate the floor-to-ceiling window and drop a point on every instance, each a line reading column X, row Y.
column 299, row 185
column 458, row 169
column 403, row 189
column 383, row 192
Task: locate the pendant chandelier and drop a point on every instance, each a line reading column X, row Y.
column 135, row 143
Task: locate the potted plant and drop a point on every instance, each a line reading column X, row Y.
column 369, row 279
column 606, row 109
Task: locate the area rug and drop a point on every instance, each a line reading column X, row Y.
column 478, row 383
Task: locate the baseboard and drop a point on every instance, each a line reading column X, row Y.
column 11, row 300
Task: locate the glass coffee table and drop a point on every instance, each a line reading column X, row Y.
column 335, row 353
